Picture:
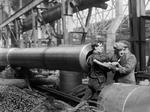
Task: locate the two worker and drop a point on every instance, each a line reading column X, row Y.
column 122, row 63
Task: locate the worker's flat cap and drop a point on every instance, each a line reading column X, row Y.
column 120, row 45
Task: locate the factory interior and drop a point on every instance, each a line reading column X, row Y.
column 49, row 63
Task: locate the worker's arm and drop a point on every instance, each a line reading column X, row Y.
column 130, row 65
column 104, row 64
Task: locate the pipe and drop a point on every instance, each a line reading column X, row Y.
column 55, row 12
column 69, row 58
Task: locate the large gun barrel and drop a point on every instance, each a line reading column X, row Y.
column 70, row 58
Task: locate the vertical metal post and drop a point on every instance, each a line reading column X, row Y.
column 67, row 20
column 137, row 28
column 141, row 12
column 20, row 4
column 142, row 44
column 64, row 22
column 59, row 31
column 34, row 28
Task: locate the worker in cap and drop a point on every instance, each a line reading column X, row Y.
column 120, row 48
column 97, row 74
column 123, row 63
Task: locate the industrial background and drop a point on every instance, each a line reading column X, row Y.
column 42, row 30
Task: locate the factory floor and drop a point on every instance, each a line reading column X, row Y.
column 13, row 99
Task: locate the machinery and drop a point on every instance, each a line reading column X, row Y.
column 72, row 61
column 114, row 98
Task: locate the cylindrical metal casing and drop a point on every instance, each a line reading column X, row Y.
column 125, row 98
column 3, row 56
column 26, row 57
column 69, row 80
column 69, row 58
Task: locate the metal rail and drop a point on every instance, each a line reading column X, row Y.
column 72, row 100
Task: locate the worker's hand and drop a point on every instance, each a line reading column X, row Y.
column 115, row 66
column 114, row 63
column 108, row 64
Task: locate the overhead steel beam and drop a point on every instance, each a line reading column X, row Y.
column 21, row 12
column 55, row 13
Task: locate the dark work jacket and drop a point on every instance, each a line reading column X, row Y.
column 125, row 74
column 98, row 74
